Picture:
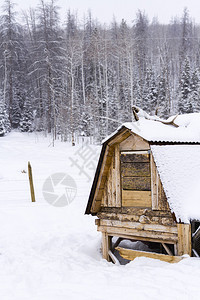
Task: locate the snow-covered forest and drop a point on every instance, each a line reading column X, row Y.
column 82, row 77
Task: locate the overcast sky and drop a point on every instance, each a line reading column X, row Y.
column 104, row 10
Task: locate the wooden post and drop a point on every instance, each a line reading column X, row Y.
column 118, row 177
column 31, row 182
column 106, row 245
column 184, row 239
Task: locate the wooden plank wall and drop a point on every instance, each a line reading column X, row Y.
column 99, row 192
column 108, row 192
column 127, row 177
column 112, row 188
column 159, row 200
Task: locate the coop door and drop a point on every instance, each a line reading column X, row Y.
column 136, row 179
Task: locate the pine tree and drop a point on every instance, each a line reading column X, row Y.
column 163, row 103
column 16, row 114
column 195, row 91
column 26, row 121
column 141, row 35
column 14, row 61
column 150, row 93
column 4, row 119
column 187, row 34
column 184, row 104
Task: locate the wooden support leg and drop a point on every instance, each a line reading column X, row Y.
column 184, row 239
column 169, row 252
column 176, row 249
column 106, row 245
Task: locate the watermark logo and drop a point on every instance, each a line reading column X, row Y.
column 84, row 160
column 59, row 189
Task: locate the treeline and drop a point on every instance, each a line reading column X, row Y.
column 82, row 78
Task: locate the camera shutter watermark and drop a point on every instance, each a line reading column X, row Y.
column 59, row 189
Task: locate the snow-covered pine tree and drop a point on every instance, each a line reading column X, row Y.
column 140, row 36
column 163, row 103
column 150, row 93
column 184, row 100
column 26, row 121
column 186, row 36
column 4, row 119
column 195, row 91
column 13, row 60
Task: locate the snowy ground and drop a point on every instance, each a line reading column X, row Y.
column 53, row 253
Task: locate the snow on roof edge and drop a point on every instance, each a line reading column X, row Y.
column 152, row 130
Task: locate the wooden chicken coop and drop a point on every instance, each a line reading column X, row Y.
column 133, row 193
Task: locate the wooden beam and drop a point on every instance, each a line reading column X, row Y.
column 138, row 211
column 138, row 238
column 137, row 218
column 113, row 175
column 136, row 234
column 176, row 249
column 154, row 184
column 139, row 226
column 113, row 257
column 132, row 254
column 120, row 137
column 106, row 245
column 184, row 239
column 118, row 177
column 195, row 253
column 109, row 186
column 169, row 252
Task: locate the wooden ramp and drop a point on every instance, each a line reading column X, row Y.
column 132, row 254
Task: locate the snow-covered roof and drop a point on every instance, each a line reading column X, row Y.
column 152, row 129
column 179, row 170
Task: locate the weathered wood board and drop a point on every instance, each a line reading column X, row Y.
column 150, row 217
column 132, row 254
column 118, row 177
column 159, row 200
column 136, row 183
column 138, row 234
column 184, row 239
column 136, row 198
column 134, row 157
column 135, row 169
column 139, row 226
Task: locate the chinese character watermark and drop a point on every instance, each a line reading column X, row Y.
column 85, row 160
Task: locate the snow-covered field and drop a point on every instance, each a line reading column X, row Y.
column 53, row 253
